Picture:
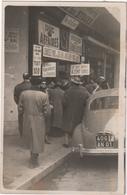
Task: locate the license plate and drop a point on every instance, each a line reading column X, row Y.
column 105, row 140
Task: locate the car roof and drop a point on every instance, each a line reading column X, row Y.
column 104, row 93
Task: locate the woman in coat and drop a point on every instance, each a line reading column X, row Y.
column 33, row 104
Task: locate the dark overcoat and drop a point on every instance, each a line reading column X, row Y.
column 56, row 96
column 33, row 105
column 74, row 104
column 25, row 85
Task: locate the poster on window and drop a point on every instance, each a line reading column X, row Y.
column 49, row 69
column 48, row 35
column 75, row 44
column 37, row 53
column 80, row 69
column 12, row 40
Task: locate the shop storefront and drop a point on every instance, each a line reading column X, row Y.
column 62, row 44
column 48, row 40
column 59, row 46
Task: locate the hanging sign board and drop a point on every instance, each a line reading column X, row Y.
column 80, row 69
column 70, row 22
column 48, row 35
column 75, row 44
column 49, row 69
column 61, row 55
column 37, row 53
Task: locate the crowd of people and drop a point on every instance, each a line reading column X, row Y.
column 51, row 109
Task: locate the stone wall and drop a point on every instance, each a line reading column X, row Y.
column 16, row 62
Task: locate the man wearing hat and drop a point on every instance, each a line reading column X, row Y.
column 25, row 85
column 33, row 104
column 102, row 83
column 74, row 104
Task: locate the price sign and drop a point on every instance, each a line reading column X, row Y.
column 80, row 69
column 49, row 69
column 37, row 53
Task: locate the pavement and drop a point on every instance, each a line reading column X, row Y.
column 17, row 175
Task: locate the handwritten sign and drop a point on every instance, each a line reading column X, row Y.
column 37, row 53
column 80, row 69
column 49, row 69
column 61, row 55
column 49, row 35
column 75, row 44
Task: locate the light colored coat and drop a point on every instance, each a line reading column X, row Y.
column 33, row 104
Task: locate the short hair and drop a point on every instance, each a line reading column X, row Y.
column 26, row 75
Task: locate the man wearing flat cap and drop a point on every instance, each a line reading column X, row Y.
column 25, row 85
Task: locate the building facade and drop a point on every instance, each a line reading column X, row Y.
column 48, row 40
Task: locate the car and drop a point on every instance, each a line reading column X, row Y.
column 98, row 132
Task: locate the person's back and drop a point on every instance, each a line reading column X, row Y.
column 19, row 88
column 25, row 85
column 33, row 102
column 56, row 99
column 74, row 104
column 57, row 95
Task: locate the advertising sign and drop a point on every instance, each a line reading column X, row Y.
column 37, row 53
column 61, row 55
column 64, row 40
column 49, row 69
column 48, row 35
column 70, row 22
column 75, row 44
column 12, row 40
column 80, row 69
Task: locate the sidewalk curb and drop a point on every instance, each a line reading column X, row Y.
column 44, row 171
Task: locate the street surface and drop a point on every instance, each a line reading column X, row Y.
column 87, row 174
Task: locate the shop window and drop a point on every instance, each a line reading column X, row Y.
column 109, row 102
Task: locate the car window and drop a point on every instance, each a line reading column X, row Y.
column 109, row 102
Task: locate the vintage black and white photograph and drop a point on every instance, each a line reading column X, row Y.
column 64, row 97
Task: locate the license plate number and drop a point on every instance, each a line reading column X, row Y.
column 104, row 140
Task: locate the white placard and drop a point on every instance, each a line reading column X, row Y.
column 70, row 22
column 49, row 69
column 59, row 54
column 37, row 53
column 36, row 70
column 80, row 69
column 49, row 35
column 75, row 69
column 85, row 69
